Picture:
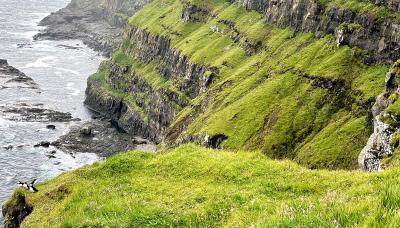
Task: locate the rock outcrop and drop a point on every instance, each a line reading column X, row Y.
column 16, row 210
column 98, row 23
column 380, row 35
column 11, row 77
column 150, row 88
column 382, row 142
column 154, row 110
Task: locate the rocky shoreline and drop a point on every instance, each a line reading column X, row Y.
column 100, row 137
column 97, row 23
column 11, row 77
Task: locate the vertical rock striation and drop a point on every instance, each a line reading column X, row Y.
column 381, row 143
column 378, row 35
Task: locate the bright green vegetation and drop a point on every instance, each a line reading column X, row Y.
column 195, row 187
column 291, row 96
column 362, row 7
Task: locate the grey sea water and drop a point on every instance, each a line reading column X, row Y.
column 60, row 72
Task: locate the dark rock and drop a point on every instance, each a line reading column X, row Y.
column 43, row 144
column 97, row 23
column 15, row 211
column 50, row 156
column 15, row 77
column 107, row 140
column 193, row 13
column 24, row 113
column 9, row 147
column 51, row 127
column 86, row 130
column 215, row 141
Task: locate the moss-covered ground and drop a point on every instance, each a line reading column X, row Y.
column 195, row 187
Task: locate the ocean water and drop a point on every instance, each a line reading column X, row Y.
column 61, row 74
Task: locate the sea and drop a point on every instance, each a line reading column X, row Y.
column 60, row 68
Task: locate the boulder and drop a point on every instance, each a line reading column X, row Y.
column 86, row 130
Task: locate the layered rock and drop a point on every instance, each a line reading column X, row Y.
column 378, row 35
column 97, row 23
column 151, row 108
column 381, row 143
column 172, row 65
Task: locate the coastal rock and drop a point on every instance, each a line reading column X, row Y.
column 98, row 23
column 105, row 141
column 25, row 113
column 43, row 144
column 51, row 127
column 15, row 211
column 11, row 77
column 86, row 130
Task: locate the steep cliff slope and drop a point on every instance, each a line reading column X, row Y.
column 307, row 80
column 296, row 79
column 98, row 23
column 196, row 187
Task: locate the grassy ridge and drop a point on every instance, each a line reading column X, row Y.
column 193, row 186
column 262, row 99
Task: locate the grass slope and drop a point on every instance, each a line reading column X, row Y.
column 193, row 186
column 263, row 100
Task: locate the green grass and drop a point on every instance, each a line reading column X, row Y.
column 362, row 7
column 262, row 100
column 193, row 186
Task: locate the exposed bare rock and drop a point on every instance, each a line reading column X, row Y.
column 104, row 139
column 98, row 23
column 380, row 142
column 16, row 210
column 11, row 77
column 25, row 113
column 380, row 36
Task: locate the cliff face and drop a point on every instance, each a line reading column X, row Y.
column 215, row 73
column 153, row 77
column 97, row 23
column 384, row 141
column 377, row 30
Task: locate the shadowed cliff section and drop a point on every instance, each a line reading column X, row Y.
column 98, row 23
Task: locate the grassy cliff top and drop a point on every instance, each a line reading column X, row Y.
column 193, row 186
column 288, row 94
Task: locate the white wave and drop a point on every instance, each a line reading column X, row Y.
column 41, row 62
column 68, row 70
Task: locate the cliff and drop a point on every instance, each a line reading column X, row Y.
column 373, row 26
column 270, row 75
column 98, row 23
column 312, row 81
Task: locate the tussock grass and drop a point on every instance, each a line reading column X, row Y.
column 193, row 186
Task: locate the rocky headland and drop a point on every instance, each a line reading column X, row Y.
column 12, row 78
column 97, row 23
column 315, row 82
